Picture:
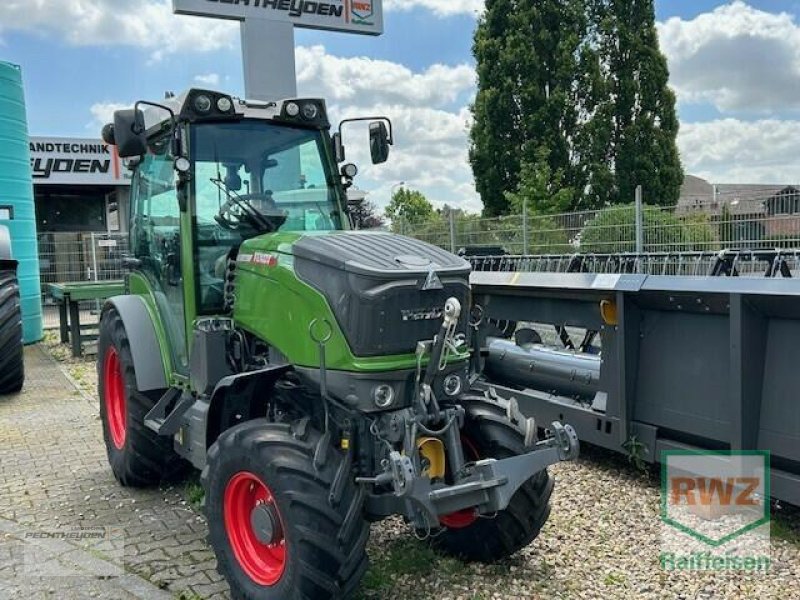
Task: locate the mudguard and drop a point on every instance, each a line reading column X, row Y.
column 141, row 333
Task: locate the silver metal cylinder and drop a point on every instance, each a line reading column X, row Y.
column 542, row 368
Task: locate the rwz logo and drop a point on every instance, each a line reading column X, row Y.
column 361, row 9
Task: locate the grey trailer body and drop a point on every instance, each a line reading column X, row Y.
column 687, row 362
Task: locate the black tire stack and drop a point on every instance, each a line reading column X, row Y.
column 12, row 369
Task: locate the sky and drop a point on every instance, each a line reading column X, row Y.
column 735, row 67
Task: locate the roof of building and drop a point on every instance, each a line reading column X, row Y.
column 697, row 194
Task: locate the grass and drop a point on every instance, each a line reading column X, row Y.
column 193, row 492
column 405, row 557
column 785, row 529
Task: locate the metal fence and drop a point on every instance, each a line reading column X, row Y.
column 71, row 257
column 755, row 222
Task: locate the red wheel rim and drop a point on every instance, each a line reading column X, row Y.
column 114, row 387
column 466, row 517
column 263, row 563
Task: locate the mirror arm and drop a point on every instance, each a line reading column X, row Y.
column 387, row 120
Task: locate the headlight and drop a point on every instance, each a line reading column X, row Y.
column 310, row 111
column 224, row 104
column 292, row 109
column 452, row 385
column 202, row 103
column 383, row 395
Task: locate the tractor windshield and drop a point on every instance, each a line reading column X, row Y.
column 250, row 178
column 253, row 177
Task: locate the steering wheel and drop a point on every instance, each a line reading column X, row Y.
column 239, row 209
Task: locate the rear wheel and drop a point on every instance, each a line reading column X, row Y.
column 12, row 369
column 138, row 456
column 489, row 434
column 282, row 525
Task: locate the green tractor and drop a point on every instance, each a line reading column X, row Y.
column 318, row 377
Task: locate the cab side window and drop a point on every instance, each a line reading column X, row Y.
column 155, row 236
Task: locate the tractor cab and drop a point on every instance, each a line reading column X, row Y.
column 211, row 171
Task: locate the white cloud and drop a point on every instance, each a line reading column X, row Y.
column 735, row 151
column 429, row 113
column 148, row 24
column 365, row 81
column 736, row 57
column 102, row 113
column 209, row 79
column 442, row 8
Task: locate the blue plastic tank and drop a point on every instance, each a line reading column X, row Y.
column 16, row 197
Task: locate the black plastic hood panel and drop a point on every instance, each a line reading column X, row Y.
column 374, row 253
column 378, row 286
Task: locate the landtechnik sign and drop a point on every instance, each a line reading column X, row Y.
column 75, row 161
column 715, row 511
column 353, row 16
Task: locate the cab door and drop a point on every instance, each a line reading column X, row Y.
column 156, row 242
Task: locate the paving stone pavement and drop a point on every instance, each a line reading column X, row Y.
column 54, row 477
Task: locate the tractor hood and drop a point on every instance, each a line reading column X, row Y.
column 378, row 254
column 386, row 291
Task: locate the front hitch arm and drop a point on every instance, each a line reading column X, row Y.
column 491, row 483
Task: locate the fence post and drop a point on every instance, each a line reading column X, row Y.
column 639, row 221
column 525, row 228
column 452, row 231
column 94, row 257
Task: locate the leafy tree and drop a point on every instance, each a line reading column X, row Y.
column 408, row 208
column 639, row 105
column 365, row 215
column 540, row 190
column 574, row 91
column 527, row 57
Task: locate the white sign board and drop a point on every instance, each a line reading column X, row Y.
column 76, row 161
column 353, row 16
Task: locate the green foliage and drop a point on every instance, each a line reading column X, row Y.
column 540, row 189
column 408, row 208
column 364, row 215
column 573, row 110
column 614, row 230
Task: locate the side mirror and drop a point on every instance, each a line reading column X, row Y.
column 338, row 147
column 379, row 142
column 128, row 133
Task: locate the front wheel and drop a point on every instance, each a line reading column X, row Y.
column 138, row 456
column 466, row 535
column 282, row 525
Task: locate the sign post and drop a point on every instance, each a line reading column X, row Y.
column 267, row 28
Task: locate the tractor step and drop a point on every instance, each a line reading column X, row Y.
column 166, row 416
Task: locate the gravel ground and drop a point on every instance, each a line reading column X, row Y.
column 602, row 541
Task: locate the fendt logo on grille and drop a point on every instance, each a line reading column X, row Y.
column 422, row 314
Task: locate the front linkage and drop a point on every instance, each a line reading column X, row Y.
column 426, row 476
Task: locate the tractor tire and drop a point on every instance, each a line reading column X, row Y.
column 314, row 542
column 12, row 368
column 465, row 535
column 138, row 456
